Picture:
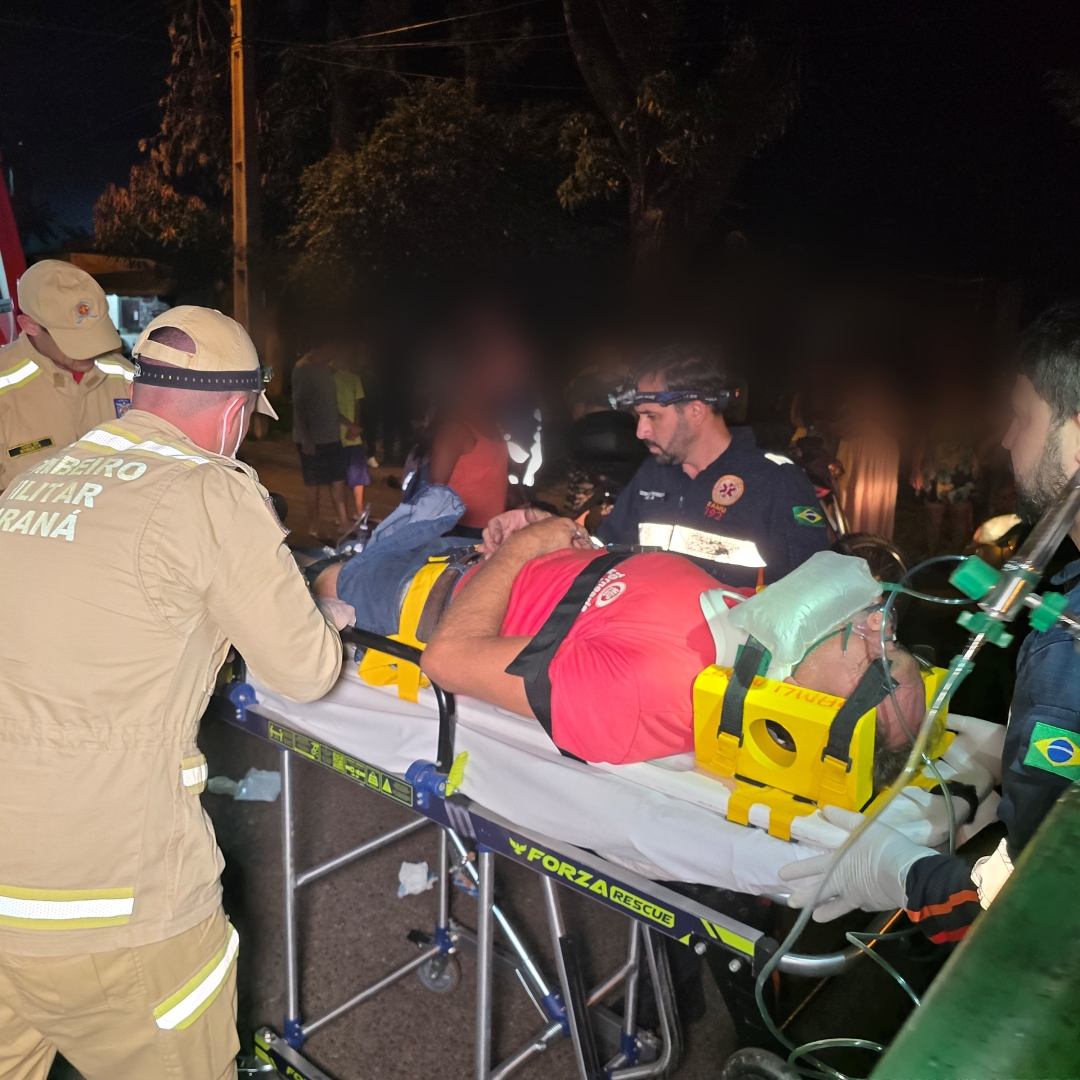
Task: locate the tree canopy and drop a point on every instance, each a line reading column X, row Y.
column 443, row 189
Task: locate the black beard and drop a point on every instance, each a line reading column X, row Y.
column 675, row 451
column 1037, row 491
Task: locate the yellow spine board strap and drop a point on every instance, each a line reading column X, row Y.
column 427, row 597
column 379, row 669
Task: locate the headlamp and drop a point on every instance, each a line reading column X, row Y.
column 631, row 397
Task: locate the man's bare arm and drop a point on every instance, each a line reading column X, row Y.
column 466, row 655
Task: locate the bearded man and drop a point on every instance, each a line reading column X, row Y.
column 708, row 491
column 1041, row 754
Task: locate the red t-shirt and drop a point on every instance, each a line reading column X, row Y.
column 623, row 679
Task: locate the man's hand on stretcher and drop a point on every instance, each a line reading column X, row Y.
column 466, row 655
column 501, row 527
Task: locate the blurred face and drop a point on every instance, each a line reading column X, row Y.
column 665, row 429
column 1044, row 455
column 45, row 344
column 836, row 665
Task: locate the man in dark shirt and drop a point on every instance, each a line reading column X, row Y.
column 1041, row 756
column 707, row 491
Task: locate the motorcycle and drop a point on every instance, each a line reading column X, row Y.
column 604, row 453
column 884, row 558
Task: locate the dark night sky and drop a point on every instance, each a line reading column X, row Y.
column 926, row 137
column 79, row 85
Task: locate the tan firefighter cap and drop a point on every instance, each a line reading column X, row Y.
column 222, row 356
column 71, row 305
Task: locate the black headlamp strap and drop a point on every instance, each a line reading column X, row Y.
column 187, row 379
column 753, row 660
column 874, row 686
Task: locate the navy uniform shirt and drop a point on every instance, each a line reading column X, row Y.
column 747, row 511
column 1040, row 759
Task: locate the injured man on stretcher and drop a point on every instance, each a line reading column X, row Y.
column 604, row 649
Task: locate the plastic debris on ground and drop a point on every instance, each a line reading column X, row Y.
column 259, row 785
column 414, row 879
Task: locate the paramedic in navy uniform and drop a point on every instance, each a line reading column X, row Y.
column 708, row 491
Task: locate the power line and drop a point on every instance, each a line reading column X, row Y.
column 422, row 25
column 80, row 30
column 391, row 46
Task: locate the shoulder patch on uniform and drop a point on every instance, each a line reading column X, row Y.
column 728, row 490
column 30, row 447
column 1055, row 750
column 808, row 515
column 779, row 459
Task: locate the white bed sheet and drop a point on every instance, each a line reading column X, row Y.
column 664, row 820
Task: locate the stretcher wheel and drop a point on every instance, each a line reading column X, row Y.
column 440, row 974
column 754, row 1064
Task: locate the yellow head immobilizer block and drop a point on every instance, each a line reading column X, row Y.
column 778, row 758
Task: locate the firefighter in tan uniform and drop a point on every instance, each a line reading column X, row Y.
column 64, row 374
column 155, row 550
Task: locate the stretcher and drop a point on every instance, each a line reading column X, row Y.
column 615, row 834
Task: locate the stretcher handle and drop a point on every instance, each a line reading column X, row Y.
column 365, row 639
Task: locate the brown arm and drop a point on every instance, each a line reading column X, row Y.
column 466, row 655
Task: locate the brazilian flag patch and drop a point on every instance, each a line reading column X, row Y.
column 808, row 515
column 1056, row 750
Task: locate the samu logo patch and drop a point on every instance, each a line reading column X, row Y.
column 1055, row 750
column 807, row 515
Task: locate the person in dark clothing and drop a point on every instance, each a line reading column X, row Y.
column 1041, row 756
column 708, row 491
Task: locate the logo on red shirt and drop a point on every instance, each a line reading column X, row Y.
column 610, row 594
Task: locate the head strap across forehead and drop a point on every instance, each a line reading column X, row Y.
column 875, row 685
column 188, row 379
column 632, row 396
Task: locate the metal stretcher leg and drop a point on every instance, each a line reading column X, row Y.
column 292, row 1032
column 665, row 1007
column 548, row 998
column 485, row 942
column 573, row 989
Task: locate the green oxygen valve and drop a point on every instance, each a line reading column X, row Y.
column 1051, row 605
column 978, row 622
column 974, row 578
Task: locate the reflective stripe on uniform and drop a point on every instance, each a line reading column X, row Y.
column 192, row 1000
column 115, row 369
column 64, row 909
column 102, row 437
column 18, row 375
column 700, row 544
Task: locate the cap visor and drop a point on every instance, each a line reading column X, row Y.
column 88, row 343
column 263, row 406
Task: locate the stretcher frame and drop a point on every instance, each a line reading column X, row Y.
column 652, row 910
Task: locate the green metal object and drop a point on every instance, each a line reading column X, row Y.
column 974, row 578
column 977, row 622
column 1007, row 1003
column 1049, row 611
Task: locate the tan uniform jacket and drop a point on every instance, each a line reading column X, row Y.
column 43, row 408
column 129, row 562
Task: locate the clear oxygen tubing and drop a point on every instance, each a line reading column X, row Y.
column 960, row 667
column 950, row 809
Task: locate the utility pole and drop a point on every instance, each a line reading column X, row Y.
column 245, row 164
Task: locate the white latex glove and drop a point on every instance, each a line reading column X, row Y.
column 871, row 875
column 336, row 612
